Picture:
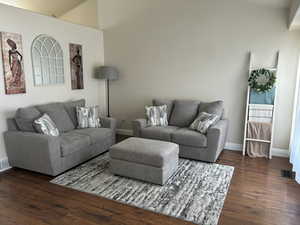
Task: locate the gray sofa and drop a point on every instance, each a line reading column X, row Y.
column 192, row 144
column 53, row 155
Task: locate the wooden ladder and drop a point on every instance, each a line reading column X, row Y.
column 245, row 140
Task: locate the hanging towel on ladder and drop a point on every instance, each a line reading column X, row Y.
column 261, row 131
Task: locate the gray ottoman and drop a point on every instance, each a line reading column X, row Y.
column 144, row 159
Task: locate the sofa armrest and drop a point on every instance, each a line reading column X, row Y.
column 216, row 138
column 33, row 151
column 108, row 122
column 137, row 125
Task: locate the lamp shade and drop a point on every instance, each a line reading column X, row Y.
column 107, row 72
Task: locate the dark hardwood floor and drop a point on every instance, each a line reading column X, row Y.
column 258, row 195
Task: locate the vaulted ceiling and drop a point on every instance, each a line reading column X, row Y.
column 58, row 8
column 47, row 7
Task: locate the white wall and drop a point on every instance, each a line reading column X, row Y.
column 85, row 14
column 29, row 25
column 197, row 49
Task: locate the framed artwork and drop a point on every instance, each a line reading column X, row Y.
column 76, row 66
column 13, row 66
column 47, row 61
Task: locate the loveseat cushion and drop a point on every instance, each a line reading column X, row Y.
column 185, row 136
column 184, row 112
column 159, row 133
column 72, row 141
column 70, row 107
column 216, row 108
column 96, row 135
column 24, row 118
column 58, row 114
column 169, row 103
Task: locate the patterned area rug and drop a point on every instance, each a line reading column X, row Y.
column 196, row 192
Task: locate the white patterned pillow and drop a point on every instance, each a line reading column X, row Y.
column 94, row 121
column 45, row 125
column 87, row 117
column 204, row 121
column 157, row 115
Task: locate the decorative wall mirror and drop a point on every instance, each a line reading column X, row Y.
column 47, row 61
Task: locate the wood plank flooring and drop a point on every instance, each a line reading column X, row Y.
column 258, row 195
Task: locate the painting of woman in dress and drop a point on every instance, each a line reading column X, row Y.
column 12, row 55
column 76, row 66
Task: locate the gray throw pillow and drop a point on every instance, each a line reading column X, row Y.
column 157, row 115
column 203, row 122
column 45, row 125
column 88, row 117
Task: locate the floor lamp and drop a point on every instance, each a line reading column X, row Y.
column 109, row 74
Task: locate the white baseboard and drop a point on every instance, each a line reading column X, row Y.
column 233, row 146
column 4, row 165
column 279, row 152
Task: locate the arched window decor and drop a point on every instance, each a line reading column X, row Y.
column 47, row 61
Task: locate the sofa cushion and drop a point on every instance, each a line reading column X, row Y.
column 58, row 114
column 72, row 141
column 96, row 135
column 70, row 107
column 184, row 112
column 159, row 133
column 24, row 118
column 212, row 108
column 185, row 136
column 169, row 103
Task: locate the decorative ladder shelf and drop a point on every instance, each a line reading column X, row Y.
column 271, row 108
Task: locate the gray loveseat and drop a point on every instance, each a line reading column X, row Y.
column 53, row 155
column 192, row 144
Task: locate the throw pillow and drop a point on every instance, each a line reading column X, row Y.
column 169, row 103
column 203, row 122
column 157, row 115
column 94, row 121
column 87, row 117
column 45, row 125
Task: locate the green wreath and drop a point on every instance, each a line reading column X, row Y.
column 267, row 80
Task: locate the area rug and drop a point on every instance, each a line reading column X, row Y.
column 195, row 193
